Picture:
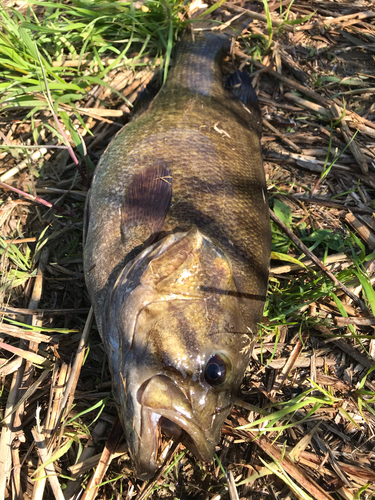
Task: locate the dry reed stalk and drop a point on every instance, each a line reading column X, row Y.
column 23, row 164
column 57, row 391
column 342, row 321
column 302, row 445
column 87, row 453
column 311, row 106
column 10, row 366
column 12, row 431
column 256, row 15
column 91, row 462
column 68, row 397
column 27, row 335
column 6, row 434
column 40, row 479
column 45, row 312
column 278, row 364
column 353, row 470
column 290, row 468
column 106, row 61
column 350, row 140
column 19, row 241
column 64, row 398
column 287, row 368
column 232, row 488
column 281, row 136
column 100, row 112
column 49, row 469
column 363, row 231
column 329, row 261
column 348, row 19
column 28, row 368
column 105, row 460
column 17, row 493
column 352, row 351
column 29, row 356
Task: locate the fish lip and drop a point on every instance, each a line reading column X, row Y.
column 149, row 453
column 199, row 442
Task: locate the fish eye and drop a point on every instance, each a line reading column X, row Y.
column 216, row 370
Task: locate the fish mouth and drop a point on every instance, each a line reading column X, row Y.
column 165, row 410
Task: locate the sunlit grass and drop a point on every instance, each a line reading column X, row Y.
column 96, row 35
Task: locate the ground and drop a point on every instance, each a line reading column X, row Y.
column 304, row 423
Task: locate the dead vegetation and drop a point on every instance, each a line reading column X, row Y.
column 304, row 425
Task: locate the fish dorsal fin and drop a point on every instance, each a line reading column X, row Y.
column 146, row 205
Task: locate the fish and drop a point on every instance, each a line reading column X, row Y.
column 176, row 253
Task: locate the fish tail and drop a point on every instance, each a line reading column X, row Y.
column 199, row 54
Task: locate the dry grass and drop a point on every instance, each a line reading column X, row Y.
column 304, row 425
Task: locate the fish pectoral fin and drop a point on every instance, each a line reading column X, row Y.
column 146, row 204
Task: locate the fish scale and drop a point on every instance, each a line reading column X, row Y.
column 177, row 253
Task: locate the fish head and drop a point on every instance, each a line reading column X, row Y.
column 182, row 347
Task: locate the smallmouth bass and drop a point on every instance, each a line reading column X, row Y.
column 176, row 254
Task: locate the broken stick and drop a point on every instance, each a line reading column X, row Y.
column 350, row 140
